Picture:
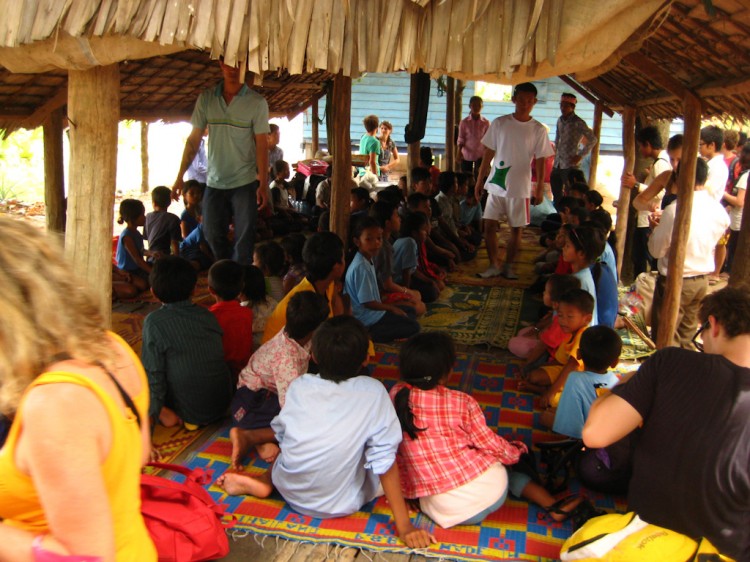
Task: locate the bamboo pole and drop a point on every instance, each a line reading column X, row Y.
column 740, row 276
column 93, row 113
column 342, row 158
column 315, row 129
column 412, row 149
column 144, row 157
column 623, row 202
column 54, row 175
column 670, row 307
column 598, row 109
column 450, row 125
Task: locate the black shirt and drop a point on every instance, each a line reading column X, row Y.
column 691, row 470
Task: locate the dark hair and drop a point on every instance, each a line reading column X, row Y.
column 586, row 239
column 339, row 347
column 600, row 347
column 279, row 166
column 731, row 308
column 701, row 172
column 742, row 139
column 161, row 196
column 305, row 311
column 525, row 87
column 580, row 299
column 474, row 98
column 192, row 184
column 364, row 223
column 713, row 134
column 415, row 200
column 567, row 201
column 273, row 127
column 412, row 222
column 560, row 284
column 361, row 194
column 447, row 182
column 581, row 213
column 226, row 278
column 391, row 194
column 172, row 279
column 462, row 178
column 602, row 219
column 292, row 245
column 425, row 155
column 576, row 176
column 674, row 142
column 651, row 136
column 580, row 187
column 423, row 361
column 595, row 198
column 420, row 174
column 382, row 211
column 254, row 287
column 371, row 123
column 322, row 251
column 730, row 139
column 271, row 257
column 130, row 209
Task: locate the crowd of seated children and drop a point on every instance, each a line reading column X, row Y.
column 600, row 351
column 133, row 268
column 386, row 214
column 593, row 200
column 459, row 469
column 263, row 382
column 269, row 258
column 583, row 246
column 427, row 162
column 292, row 245
column 385, row 321
column 225, row 282
column 182, row 352
column 538, row 343
column 574, row 316
column 319, row 470
column 285, row 219
column 411, row 266
column 450, row 211
column 162, row 228
column 194, row 247
column 420, row 203
column 254, row 296
column 604, row 274
column 579, row 191
column 469, row 214
column 192, row 195
column 323, row 256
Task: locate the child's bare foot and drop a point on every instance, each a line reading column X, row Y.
column 268, row 451
column 526, row 386
column 168, row 418
column 561, row 510
column 240, row 445
column 243, row 484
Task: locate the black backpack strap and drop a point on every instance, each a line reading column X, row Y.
column 125, row 396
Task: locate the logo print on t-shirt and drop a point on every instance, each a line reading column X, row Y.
column 500, row 175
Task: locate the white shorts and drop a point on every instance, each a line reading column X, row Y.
column 513, row 210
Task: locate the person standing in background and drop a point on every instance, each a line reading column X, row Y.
column 572, row 131
column 471, row 130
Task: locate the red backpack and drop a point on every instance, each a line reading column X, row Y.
column 182, row 518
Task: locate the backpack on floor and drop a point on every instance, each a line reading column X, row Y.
column 183, row 520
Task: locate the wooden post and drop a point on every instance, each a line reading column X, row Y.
column 54, row 175
column 93, row 113
column 450, row 125
column 412, row 149
column 315, row 129
column 623, row 203
column 144, row 157
column 670, row 308
column 597, row 128
column 342, row 158
column 740, row 276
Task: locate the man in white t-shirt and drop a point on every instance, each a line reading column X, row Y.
column 711, row 141
column 511, row 143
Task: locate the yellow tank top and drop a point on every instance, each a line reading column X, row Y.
column 19, row 503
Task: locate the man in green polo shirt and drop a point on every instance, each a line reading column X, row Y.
column 237, row 122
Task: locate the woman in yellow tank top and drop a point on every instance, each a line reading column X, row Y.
column 70, row 468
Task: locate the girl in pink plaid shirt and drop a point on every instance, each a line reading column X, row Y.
column 449, row 459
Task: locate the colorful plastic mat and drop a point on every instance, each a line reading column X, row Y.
column 517, row 531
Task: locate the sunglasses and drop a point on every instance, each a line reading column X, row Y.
column 699, row 344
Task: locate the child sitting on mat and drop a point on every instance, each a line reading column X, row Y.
column 262, row 385
column 338, row 435
column 129, row 253
column 254, row 296
column 269, row 258
column 449, row 459
column 574, row 315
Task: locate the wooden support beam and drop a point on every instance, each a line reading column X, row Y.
column 93, row 114
column 670, row 307
column 450, row 124
column 342, row 157
column 412, row 149
column 54, row 175
column 597, row 128
column 654, row 72
column 315, row 128
column 741, row 262
column 41, row 113
column 144, row 157
column 623, row 202
column 586, row 94
column 609, row 93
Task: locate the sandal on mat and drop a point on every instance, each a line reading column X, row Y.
column 578, row 515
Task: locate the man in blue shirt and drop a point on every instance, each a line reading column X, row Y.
column 237, row 122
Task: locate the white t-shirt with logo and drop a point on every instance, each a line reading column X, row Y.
column 515, row 144
column 735, row 213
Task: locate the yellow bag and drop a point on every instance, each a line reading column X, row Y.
column 627, row 538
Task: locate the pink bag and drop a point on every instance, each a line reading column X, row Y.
column 182, row 518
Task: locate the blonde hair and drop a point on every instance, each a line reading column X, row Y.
column 47, row 313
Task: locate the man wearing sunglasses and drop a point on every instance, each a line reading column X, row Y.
column 690, row 467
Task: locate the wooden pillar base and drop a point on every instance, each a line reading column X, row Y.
column 342, row 157
column 623, row 203
column 54, row 175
